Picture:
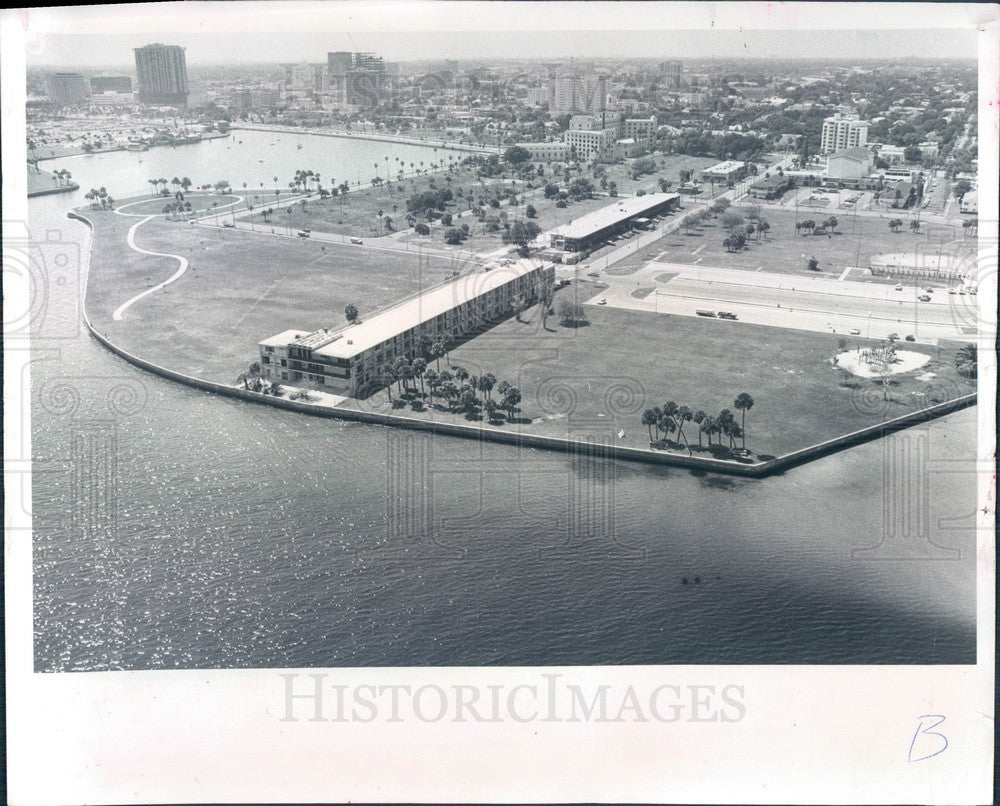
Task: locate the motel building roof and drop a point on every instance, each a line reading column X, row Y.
column 616, row 213
column 396, row 320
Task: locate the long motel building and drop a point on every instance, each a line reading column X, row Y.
column 353, row 361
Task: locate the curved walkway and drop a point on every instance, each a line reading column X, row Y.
column 117, row 315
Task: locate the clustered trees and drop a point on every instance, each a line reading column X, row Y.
column 824, row 227
column 671, row 419
column 459, row 391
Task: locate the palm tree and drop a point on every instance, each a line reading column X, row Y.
column 967, row 361
column 486, row 383
column 709, row 426
column 432, row 381
column 727, row 423
column 684, row 415
column 743, row 403
column 436, row 351
column 419, row 366
column 699, row 418
column 649, row 420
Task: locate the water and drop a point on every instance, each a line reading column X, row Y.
column 177, row 529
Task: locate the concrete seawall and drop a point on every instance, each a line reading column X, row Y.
column 597, row 449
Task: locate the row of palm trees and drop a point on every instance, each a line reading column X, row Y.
column 178, row 183
column 671, row 418
column 460, row 389
column 61, row 177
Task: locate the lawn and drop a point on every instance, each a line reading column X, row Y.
column 597, row 379
column 781, row 250
column 240, row 287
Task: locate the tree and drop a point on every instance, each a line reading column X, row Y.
column 515, row 155
column 351, row 312
column 743, row 403
column 581, row 189
column 813, row 264
column 649, row 420
column 683, row 415
column 571, row 314
column 895, row 224
column 731, row 220
column 550, row 191
column 831, row 223
column 419, row 366
column 962, row 186
column 400, row 370
column 699, row 418
column 452, row 236
column 521, row 233
column 612, row 189
column 510, row 400
column 967, row 361
column 486, row 383
column 912, row 154
column 437, row 350
column 530, row 211
column 915, row 226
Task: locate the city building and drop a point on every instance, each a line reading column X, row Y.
column 850, row 163
column 355, row 361
column 547, row 152
column 842, row 131
column 771, row 187
column 118, row 84
column 355, row 78
column 670, row 72
column 68, row 89
column 585, row 145
column 574, row 93
column 162, row 73
column 642, row 130
column 725, row 172
column 592, row 229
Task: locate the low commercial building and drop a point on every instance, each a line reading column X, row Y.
column 850, row 163
column 771, row 187
column 725, row 172
column 590, row 230
column 355, row 361
column 547, row 152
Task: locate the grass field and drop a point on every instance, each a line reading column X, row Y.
column 239, row 288
column 591, row 380
column 781, row 250
column 597, row 379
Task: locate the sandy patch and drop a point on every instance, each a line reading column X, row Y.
column 855, row 362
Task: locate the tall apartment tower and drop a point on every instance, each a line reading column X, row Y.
column 68, row 89
column 843, row 131
column 671, row 73
column 162, row 71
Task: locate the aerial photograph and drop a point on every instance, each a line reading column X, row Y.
column 423, row 350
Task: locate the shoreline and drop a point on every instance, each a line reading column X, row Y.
column 373, row 136
column 760, row 469
column 81, row 153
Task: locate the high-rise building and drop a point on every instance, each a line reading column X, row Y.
column 162, row 71
column 68, row 89
column 670, row 72
column 574, row 93
column 841, row 132
column 356, row 78
column 110, row 84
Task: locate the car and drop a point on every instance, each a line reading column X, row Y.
column 911, row 337
column 358, row 241
column 727, row 315
column 304, row 233
column 855, row 331
column 899, row 288
column 593, row 274
column 929, row 290
column 602, row 301
column 952, row 290
column 228, row 224
column 961, row 293
column 924, row 298
column 705, row 313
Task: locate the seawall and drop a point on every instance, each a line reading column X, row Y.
column 565, row 445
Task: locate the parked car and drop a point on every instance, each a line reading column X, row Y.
column 924, row 298
column 358, row 241
column 727, row 315
column 602, row 301
column 855, row 331
column 304, row 233
column 228, row 224
column 899, row 287
column 705, row 313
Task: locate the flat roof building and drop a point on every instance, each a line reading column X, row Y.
column 162, row 73
column 728, row 171
column 355, row 361
column 842, row 131
column 589, row 230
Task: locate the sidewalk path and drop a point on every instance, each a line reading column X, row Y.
column 117, row 315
